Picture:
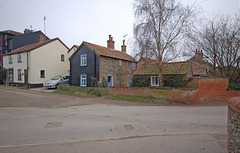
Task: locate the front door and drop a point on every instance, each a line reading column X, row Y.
column 110, row 80
column 26, row 77
column 128, row 83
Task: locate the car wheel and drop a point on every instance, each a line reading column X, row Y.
column 57, row 86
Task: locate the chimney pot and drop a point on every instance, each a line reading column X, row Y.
column 110, row 42
column 124, row 47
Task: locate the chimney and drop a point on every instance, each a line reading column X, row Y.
column 199, row 54
column 26, row 31
column 124, row 47
column 41, row 37
column 110, row 42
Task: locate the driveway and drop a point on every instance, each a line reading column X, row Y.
column 32, row 121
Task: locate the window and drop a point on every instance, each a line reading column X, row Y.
column 19, row 74
column 134, row 65
column 62, row 57
column 83, row 60
column 10, row 74
column 120, row 62
column 19, row 55
column 10, row 59
column 5, row 40
column 42, row 74
column 83, row 80
column 154, row 81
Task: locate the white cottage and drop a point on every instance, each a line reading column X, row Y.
column 34, row 64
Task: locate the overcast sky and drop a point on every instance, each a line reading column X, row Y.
column 74, row 21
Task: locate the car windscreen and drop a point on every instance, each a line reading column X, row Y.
column 56, row 77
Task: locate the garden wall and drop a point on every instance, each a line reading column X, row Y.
column 234, row 125
column 202, row 90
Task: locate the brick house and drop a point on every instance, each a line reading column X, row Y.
column 93, row 61
column 150, row 69
column 199, row 66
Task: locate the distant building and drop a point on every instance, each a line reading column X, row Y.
column 4, row 45
column 11, row 40
column 199, row 66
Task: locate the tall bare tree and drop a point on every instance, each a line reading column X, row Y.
column 159, row 27
column 220, row 40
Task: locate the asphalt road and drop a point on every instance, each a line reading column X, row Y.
column 34, row 122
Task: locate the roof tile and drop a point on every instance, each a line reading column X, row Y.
column 104, row 51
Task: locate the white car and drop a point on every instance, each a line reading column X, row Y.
column 54, row 82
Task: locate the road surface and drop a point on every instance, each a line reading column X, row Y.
column 34, row 122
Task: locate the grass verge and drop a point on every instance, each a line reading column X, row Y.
column 130, row 98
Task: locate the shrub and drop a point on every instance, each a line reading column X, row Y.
column 2, row 75
column 234, row 86
column 173, row 81
column 140, row 81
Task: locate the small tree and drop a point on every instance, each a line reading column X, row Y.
column 159, row 27
column 220, row 40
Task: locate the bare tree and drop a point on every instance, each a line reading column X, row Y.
column 220, row 40
column 159, row 27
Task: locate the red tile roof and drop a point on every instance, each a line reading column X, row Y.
column 12, row 32
column 72, row 48
column 32, row 47
column 107, row 52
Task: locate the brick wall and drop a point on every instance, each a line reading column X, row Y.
column 203, row 90
column 234, row 125
column 120, row 73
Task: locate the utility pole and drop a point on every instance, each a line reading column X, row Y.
column 45, row 27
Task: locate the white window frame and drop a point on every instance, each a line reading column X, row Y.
column 44, row 74
column 62, row 57
column 19, row 74
column 19, row 55
column 155, row 81
column 83, row 60
column 134, row 66
column 83, row 80
column 120, row 63
column 10, row 59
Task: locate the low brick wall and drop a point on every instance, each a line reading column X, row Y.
column 203, row 90
column 178, row 95
column 234, row 125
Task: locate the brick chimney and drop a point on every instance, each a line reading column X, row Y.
column 124, row 47
column 199, row 54
column 41, row 37
column 110, row 42
column 27, row 31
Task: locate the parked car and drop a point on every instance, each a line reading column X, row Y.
column 54, row 82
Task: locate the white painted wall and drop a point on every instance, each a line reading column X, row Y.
column 15, row 65
column 48, row 58
column 73, row 49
